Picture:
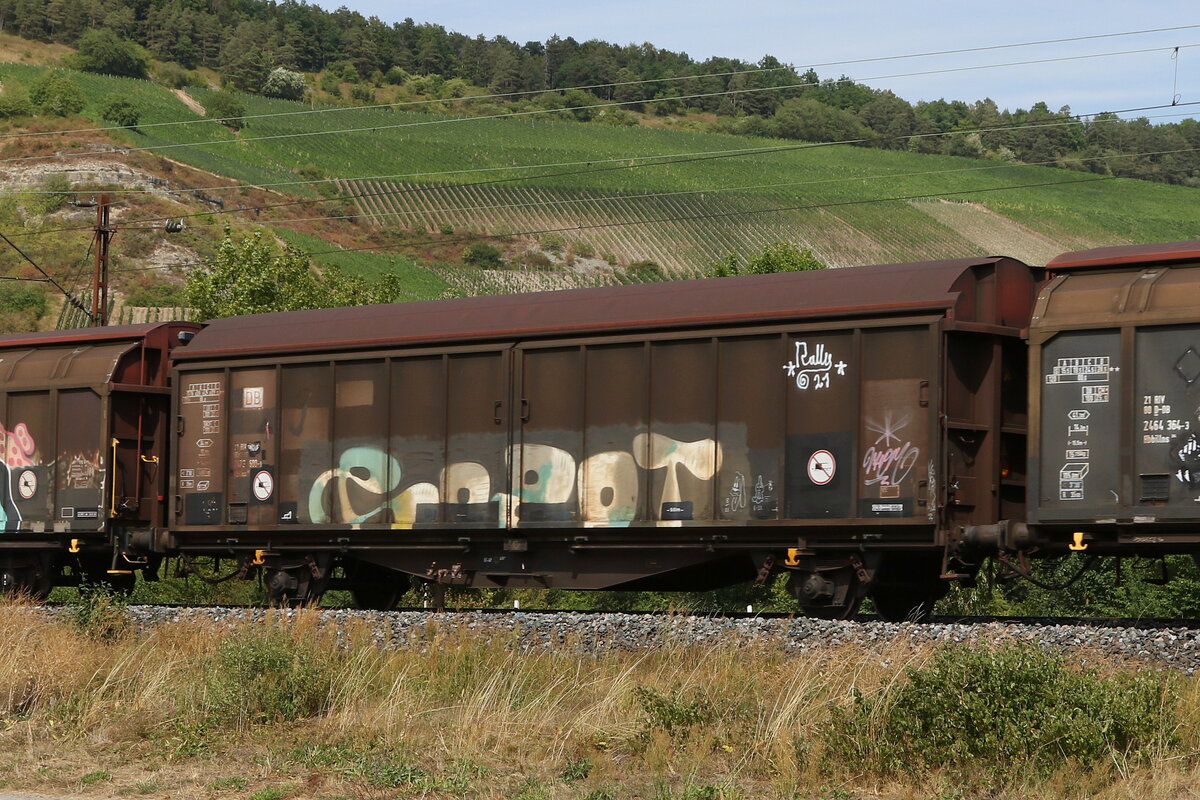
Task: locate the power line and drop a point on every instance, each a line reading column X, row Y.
column 728, row 214
column 590, row 106
column 681, row 218
column 681, row 193
column 612, row 168
column 47, row 278
column 587, row 87
column 616, row 164
column 545, row 165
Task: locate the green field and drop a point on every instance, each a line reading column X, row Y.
column 422, row 283
column 832, row 194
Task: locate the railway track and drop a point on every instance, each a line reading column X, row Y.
column 1155, row 643
column 1137, row 623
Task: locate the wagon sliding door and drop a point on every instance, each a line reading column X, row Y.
column 548, row 454
column 859, row 423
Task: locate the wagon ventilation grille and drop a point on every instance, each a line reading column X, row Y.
column 1155, row 487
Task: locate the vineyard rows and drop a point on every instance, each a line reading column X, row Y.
column 448, row 170
column 683, row 233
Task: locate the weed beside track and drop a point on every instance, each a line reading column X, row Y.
column 289, row 707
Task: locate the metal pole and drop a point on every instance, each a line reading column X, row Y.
column 100, row 276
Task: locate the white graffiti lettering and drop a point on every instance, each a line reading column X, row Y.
column 813, row 368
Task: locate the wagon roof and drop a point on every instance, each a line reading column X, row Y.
column 110, row 333
column 1122, row 255
column 847, row 292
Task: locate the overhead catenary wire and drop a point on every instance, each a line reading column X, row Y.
column 589, row 106
column 612, row 167
column 1077, row 118
column 615, row 164
column 383, row 248
column 679, row 193
column 613, row 84
column 46, row 278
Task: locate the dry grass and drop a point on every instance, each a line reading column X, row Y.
column 289, row 709
column 27, row 51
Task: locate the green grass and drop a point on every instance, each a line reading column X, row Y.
column 421, row 282
column 840, row 178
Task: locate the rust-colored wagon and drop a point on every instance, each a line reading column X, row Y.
column 83, row 481
column 845, row 425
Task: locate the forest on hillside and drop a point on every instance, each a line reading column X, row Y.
column 293, row 49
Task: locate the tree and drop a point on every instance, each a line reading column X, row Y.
column 812, row 121
column 247, row 71
column 250, row 275
column 285, row 84
column 892, row 118
column 227, row 109
column 782, row 257
column 777, row 257
column 57, row 95
column 120, row 111
column 14, row 101
column 100, row 50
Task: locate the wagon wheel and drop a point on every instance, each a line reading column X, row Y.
column 293, row 587
column 828, row 594
column 27, row 582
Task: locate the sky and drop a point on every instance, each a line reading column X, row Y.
column 812, row 34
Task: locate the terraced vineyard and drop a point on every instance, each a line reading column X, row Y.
column 680, row 232
column 849, row 205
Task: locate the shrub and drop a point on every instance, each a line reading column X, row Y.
column 226, row 108
column 396, row 76
column 18, row 297
column 483, row 255
column 425, row 84
column 173, row 76
column 331, row 82
column 453, row 89
column 554, row 242
column 363, row 93
column 782, row 257
column 56, row 94
column 264, row 675
column 120, row 111
column 342, row 71
column 159, row 296
column 14, row 101
column 100, row 50
column 645, row 272
column 285, row 84
column 536, row 259
column 99, row 612
column 975, row 710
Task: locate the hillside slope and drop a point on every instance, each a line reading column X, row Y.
column 617, row 194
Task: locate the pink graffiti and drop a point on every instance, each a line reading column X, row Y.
column 889, row 466
column 19, row 446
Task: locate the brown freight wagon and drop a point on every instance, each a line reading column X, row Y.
column 1115, row 439
column 845, row 425
column 83, row 481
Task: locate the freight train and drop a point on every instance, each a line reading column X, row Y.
column 872, row 431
